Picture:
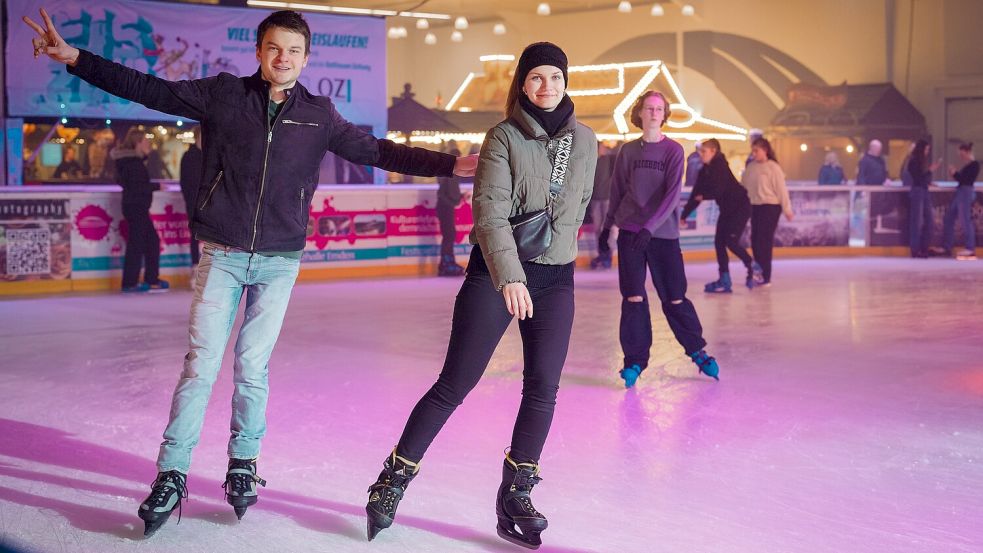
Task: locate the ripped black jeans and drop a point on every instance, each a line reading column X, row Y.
column 664, row 259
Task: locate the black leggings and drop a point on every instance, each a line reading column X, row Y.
column 730, row 227
column 480, row 320
column 664, row 260
column 142, row 247
column 764, row 222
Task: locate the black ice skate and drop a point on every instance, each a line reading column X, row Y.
column 514, row 506
column 240, row 485
column 384, row 495
column 166, row 494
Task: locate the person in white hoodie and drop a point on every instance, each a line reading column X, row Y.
column 765, row 183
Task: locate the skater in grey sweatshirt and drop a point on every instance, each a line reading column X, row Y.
column 645, row 192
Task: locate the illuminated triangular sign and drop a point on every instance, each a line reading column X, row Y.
column 609, row 88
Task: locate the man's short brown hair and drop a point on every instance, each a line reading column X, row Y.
column 285, row 19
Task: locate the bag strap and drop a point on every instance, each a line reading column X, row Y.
column 561, row 160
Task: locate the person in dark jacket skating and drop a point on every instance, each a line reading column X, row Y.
column 716, row 182
column 142, row 243
column 264, row 136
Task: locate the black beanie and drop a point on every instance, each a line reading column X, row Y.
column 542, row 53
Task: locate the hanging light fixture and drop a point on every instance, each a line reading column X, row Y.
column 688, row 10
column 457, row 36
column 461, row 23
column 658, row 10
column 499, row 29
column 543, row 8
column 393, row 32
column 624, row 6
column 422, row 24
column 430, row 39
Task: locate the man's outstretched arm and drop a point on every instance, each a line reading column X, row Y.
column 182, row 98
column 358, row 146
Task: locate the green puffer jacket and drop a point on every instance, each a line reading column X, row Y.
column 513, row 177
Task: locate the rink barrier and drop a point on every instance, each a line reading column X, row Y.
column 70, row 239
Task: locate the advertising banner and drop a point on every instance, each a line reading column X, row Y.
column 99, row 233
column 175, row 42
column 35, row 238
column 822, row 218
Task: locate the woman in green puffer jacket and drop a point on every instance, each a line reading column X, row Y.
column 513, row 178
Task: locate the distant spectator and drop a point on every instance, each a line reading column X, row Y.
column 922, row 222
column 752, row 136
column 69, row 168
column 156, row 167
column 192, row 162
column 599, row 203
column 831, row 171
column 872, row 168
column 448, row 198
column 142, row 244
column 962, row 204
column 905, row 176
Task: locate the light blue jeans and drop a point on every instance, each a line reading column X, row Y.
column 224, row 275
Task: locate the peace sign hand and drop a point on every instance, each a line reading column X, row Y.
column 49, row 42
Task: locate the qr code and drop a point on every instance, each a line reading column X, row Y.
column 28, row 251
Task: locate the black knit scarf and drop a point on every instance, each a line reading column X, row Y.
column 551, row 121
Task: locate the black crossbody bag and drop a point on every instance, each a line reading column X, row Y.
column 533, row 231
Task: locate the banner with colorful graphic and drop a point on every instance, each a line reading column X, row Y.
column 174, row 41
column 822, row 218
column 414, row 229
column 35, row 238
column 347, row 226
column 99, row 233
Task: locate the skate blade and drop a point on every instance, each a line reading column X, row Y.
column 713, row 376
column 519, row 539
column 150, row 528
column 373, row 525
column 240, row 512
column 371, row 530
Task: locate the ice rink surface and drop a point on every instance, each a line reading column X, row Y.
column 848, row 418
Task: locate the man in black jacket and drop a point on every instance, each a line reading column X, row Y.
column 264, row 137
